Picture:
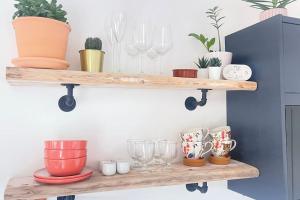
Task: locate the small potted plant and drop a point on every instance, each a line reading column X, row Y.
column 270, row 8
column 42, row 34
column 92, row 56
column 225, row 57
column 203, row 64
column 214, row 69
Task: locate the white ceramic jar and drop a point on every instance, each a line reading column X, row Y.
column 123, row 167
column 108, row 168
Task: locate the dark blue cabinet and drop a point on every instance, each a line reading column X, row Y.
column 264, row 122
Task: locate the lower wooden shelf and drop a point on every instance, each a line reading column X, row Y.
column 26, row 188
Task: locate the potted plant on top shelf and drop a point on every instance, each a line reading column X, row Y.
column 270, row 8
column 203, row 64
column 225, row 57
column 42, row 33
column 215, row 69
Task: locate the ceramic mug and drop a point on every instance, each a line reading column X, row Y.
column 194, row 135
column 221, row 133
column 222, row 148
column 195, row 150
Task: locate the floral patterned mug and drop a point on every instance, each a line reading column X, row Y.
column 196, row 150
column 194, row 135
column 222, row 148
column 221, row 133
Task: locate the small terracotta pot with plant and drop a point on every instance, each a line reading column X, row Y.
column 270, row 8
column 42, row 34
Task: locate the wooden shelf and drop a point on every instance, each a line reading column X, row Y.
column 29, row 76
column 26, row 188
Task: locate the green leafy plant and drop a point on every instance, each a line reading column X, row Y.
column 214, row 15
column 203, row 63
column 40, row 8
column 269, row 4
column 215, row 62
column 207, row 43
column 93, row 43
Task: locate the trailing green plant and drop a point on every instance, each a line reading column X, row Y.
column 40, row 8
column 269, row 4
column 93, row 43
column 207, row 43
column 203, row 63
column 214, row 15
column 215, row 62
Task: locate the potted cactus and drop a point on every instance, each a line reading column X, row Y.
column 42, row 34
column 92, row 56
column 270, row 8
column 214, row 69
column 203, row 64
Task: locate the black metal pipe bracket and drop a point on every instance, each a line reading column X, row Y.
column 67, row 103
column 71, row 197
column 191, row 103
column 192, row 187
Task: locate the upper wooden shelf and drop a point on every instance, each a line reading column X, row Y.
column 21, row 76
column 26, row 188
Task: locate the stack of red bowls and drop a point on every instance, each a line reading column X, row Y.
column 65, row 157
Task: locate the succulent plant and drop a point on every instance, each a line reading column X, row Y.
column 40, row 8
column 203, row 63
column 207, row 43
column 215, row 62
column 269, row 4
column 93, row 43
column 214, row 15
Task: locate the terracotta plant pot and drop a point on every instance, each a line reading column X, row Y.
column 272, row 12
column 186, row 73
column 39, row 37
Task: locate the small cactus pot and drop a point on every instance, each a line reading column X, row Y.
column 92, row 60
column 214, row 73
column 203, row 73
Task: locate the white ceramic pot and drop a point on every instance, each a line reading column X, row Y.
column 203, row 73
column 214, row 73
column 225, row 57
column 272, row 12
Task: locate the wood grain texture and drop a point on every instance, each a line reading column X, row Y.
column 25, row 188
column 29, row 76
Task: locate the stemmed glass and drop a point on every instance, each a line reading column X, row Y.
column 143, row 39
column 168, row 151
column 144, row 152
column 162, row 43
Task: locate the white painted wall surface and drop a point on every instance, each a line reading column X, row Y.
column 108, row 117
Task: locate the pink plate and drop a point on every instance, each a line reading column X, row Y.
column 42, row 176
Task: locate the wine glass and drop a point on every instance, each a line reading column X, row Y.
column 162, row 43
column 111, row 40
column 168, row 151
column 118, row 22
column 143, row 39
column 144, row 152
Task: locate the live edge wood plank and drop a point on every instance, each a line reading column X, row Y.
column 28, row 76
column 26, row 189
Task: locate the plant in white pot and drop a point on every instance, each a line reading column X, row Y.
column 203, row 64
column 214, row 69
column 270, row 8
column 214, row 15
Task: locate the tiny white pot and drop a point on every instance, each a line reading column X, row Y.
column 272, row 12
column 215, row 73
column 203, row 73
column 225, row 57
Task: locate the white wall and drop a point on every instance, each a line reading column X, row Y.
column 108, row 117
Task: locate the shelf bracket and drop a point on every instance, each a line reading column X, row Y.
column 191, row 103
column 71, row 197
column 192, row 187
column 67, row 103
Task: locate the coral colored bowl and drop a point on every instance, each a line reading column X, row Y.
column 68, row 167
column 66, row 144
column 64, row 154
column 186, row 73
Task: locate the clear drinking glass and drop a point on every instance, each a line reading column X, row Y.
column 163, row 42
column 143, row 38
column 168, row 151
column 131, row 149
column 144, row 152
